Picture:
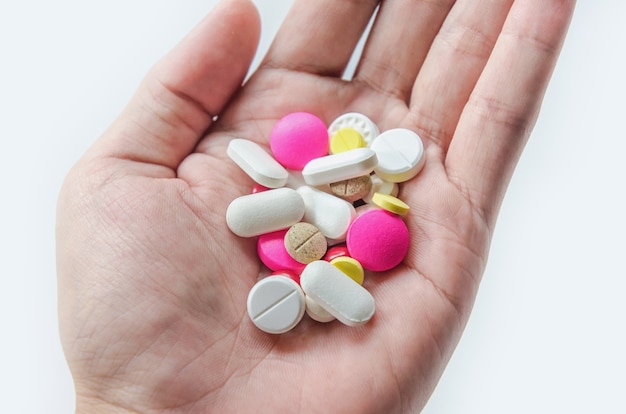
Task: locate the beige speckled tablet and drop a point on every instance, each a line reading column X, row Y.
column 305, row 243
column 352, row 189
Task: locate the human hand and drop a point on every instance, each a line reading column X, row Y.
column 153, row 285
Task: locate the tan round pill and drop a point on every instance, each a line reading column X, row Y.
column 305, row 243
column 352, row 189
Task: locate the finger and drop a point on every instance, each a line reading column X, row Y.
column 398, row 43
column 319, row 36
column 453, row 65
column 176, row 102
column 503, row 107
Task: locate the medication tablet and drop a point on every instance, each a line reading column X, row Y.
column 255, row 214
column 400, row 154
column 316, row 312
column 335, row 252
column 380, row 186
column 331, row 215
column 287, row 273
column 305, row 243
column 337, row 167
column 350, row 267
column 378, row 239
column 297, row 138
column 390, row 203
column 357, row 121
column 352, row 189
column 346, row 139
column 272, row 252
column 257, row 163
column 336, row 293
column 276, row 304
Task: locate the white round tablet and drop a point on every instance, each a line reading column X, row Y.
column 276, row 304
column 358, row 122
column 400, row 154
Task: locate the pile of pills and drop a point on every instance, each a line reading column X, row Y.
column 324, row 209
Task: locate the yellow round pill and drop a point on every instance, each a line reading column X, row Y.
column 351, row 267
column 346, row 139
column 390, row 203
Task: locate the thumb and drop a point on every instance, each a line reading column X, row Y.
column 179, row 97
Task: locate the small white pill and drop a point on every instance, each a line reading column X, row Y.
column 257, row 163
column 316, row 312
column 276, row 304
column 380, row 186
column 264, row 212
column 400, row 154
column 337, row 293
column 338, row 167
column 357, row 121
column 330, row 214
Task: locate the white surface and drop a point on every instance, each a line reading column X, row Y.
column 330, row 214
column 257, row 163
column 400, row 154
column 276, row 304
column 341, row 166
column 547, row 333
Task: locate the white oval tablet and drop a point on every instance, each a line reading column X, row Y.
column 400, row 154
column 337, row 293
column 264, row 212
column 330, row 214
column 276, row 304
column 357, row 121
column 316, row 312
column 338, row 167
column 257, row 163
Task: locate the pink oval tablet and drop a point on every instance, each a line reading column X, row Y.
column 297, row 138
column 379, row 240
column 272, row 252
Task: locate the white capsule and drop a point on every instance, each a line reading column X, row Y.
column 276, row 304
column 330, row 214
column 338, row 167
column 337, row 293
column 400, row 154
column 257, row 163
column 264, row 212
column 357, row 121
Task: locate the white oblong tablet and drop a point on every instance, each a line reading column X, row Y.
column 264, row 212
column 337, row 293
column 400, row 154
column 338, row 167
column 276, row 304
column 316, row 312
column 330, row 214
column 358, row 122
column 257, row 163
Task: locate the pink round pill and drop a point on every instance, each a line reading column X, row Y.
column 272, row 252
column 336, row 251
column 297, row 138
column 379, row 240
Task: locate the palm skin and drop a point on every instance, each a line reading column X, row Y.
column 153, row 285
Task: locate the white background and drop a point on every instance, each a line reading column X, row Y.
column 547, row 332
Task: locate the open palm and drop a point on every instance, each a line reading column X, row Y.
column 153, row 285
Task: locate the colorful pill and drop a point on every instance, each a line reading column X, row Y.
column 378, row 239
column 390, row 203
column 346, row 139
column 276, row 304
column 352, row 189
column 336, row 251
column 358, row 122
column 272, row 252
column 297, row 138
column 305, row 243
column 350, row 267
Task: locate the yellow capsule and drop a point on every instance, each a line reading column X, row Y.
column 351, row 267
column 390, row 203
column 346, row 139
